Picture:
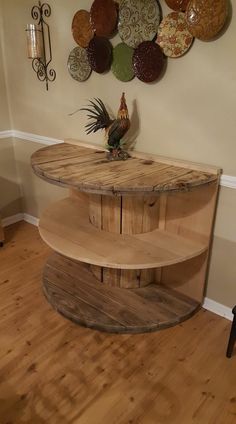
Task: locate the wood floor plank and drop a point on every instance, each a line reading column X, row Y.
column 53, row 371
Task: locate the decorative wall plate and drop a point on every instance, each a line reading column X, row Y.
column 178, row 5
column 148, row 61
column 138, row 21
column 103, row 17
column 81, row 28
column 122, row 64
column 205, row 18
column 78, row 64
column 99, row 54
column 173, row 35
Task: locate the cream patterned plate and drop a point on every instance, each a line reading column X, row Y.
column 138, row 21
column 173, row 35
column 78, row 64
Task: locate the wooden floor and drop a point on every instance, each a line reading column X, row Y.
column 55, row 372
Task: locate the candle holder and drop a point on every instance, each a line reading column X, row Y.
column 39, row 43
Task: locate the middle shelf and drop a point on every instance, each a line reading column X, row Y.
column 66, row 228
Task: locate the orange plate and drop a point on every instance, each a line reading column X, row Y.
column 205, row 18
column 81, row 28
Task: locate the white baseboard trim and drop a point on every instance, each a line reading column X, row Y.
column 218, row 308
column 31, row 219
column 228, row 181
column 209, row 304
column 12, row 219
column 20, row 217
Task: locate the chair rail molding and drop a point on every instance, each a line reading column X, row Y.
column 5, row 134
column 228, row 181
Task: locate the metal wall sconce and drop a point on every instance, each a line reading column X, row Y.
column 39, row 43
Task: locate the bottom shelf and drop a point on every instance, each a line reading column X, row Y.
column 72, row 289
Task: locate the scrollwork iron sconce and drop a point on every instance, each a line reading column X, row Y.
column 39, row 44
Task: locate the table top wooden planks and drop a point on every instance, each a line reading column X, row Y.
column 88, row 170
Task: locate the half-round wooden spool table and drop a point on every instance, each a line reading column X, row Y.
column 132, row 239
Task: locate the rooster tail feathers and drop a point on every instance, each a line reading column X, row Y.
column 98, row 116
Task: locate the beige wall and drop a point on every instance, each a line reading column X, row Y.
column 4, row 109
column 36, row 194
column 10, row 196
column 189, row 114
column 222, row 273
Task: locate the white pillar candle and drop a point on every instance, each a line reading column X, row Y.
column 34, row 41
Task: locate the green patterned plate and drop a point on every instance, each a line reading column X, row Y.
column 122, row 66
column 78, row 64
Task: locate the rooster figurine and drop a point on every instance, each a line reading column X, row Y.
column 115, row 128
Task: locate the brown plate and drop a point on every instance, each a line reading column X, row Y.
column 178, row 5
column 81, row 28
column 148, row 61
column 103, row 17
column 99, row 54
column 205, row 18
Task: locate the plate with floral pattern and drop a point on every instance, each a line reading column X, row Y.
column 138, row 21
column 78, row 64
column 173, row 35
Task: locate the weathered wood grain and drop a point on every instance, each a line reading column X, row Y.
column 88, row 170
column 72, row 290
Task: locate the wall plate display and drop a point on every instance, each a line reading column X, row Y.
column 147, row 38
column 99, row 54
column 206, row 18
column 81, row 28
column 122, row 65
column 178, row 5
column 78, row 64
column 138, row 21
column 148, row 61
column 103, row 16
column 173, row 35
